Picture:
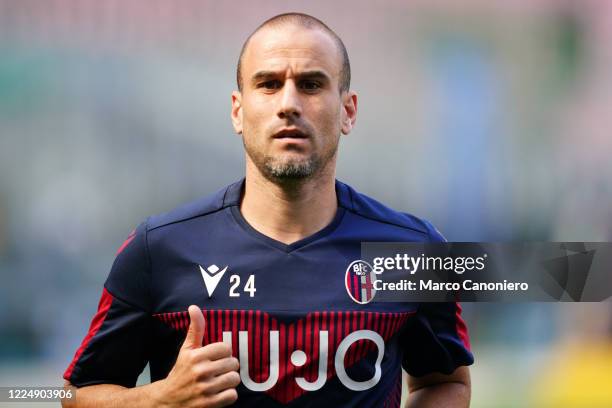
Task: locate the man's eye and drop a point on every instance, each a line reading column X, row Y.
column 310, row 85
column 272, row 84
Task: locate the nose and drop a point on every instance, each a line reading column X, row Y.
column 290, row 105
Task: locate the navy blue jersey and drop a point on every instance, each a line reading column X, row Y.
column 301, row 336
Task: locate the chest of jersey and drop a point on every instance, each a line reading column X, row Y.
column 287, row 314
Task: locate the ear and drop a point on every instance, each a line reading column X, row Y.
column 349, row 111
column 237, row 111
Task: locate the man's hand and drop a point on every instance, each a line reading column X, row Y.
column 202, row 376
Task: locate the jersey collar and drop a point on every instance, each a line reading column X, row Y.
column 232, row 198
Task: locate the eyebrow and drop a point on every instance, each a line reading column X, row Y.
column 315, row 74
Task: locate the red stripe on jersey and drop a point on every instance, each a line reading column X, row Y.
column 338, row 327
column 177, row 317
column 265, row 349
column 332, row 342
column 282, row 352
column 173, row 321
column 309, row 338
column 315, row 348
column 185, row 319
column 251, row 344
column 369, row 344
column 219, row 325
column 290, row 367
column 235, row 332
column 350, row 352
column 179, row 321
column 462, row 328
column 347, row 323
column 361, row 343
column 206, row 337
column 258, row 374
column 212, row 327
column 103, row 306
column 299, row 345
column 126, row 242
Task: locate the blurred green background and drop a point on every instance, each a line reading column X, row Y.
column 491, row 119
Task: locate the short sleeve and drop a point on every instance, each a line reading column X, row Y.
column 436, row 340
column 115, row 350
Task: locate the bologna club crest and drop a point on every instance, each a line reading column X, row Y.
column 359, row 281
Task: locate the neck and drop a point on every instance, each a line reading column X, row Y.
column 288, row 212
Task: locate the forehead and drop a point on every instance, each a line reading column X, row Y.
column 291, row 46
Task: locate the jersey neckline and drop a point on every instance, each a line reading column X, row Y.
column 232, row 200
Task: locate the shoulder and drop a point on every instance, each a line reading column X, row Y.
column 373, row 210
column 131, row 273
column 201, row 207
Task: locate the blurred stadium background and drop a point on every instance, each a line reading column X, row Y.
column 490, row 118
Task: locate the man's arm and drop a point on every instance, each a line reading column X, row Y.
column 111, row 396
column 144, row 396
column 439, row 390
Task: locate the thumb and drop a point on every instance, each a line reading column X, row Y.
column 197, row 325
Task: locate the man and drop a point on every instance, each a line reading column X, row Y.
column 240, row 298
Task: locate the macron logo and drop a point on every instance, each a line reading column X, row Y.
column 212, row 275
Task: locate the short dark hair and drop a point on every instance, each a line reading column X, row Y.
column 306, row 21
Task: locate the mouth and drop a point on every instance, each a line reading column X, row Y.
column 290, row 133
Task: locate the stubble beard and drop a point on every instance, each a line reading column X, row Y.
column 289, row 171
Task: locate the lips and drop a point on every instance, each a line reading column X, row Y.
column 290, row 134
